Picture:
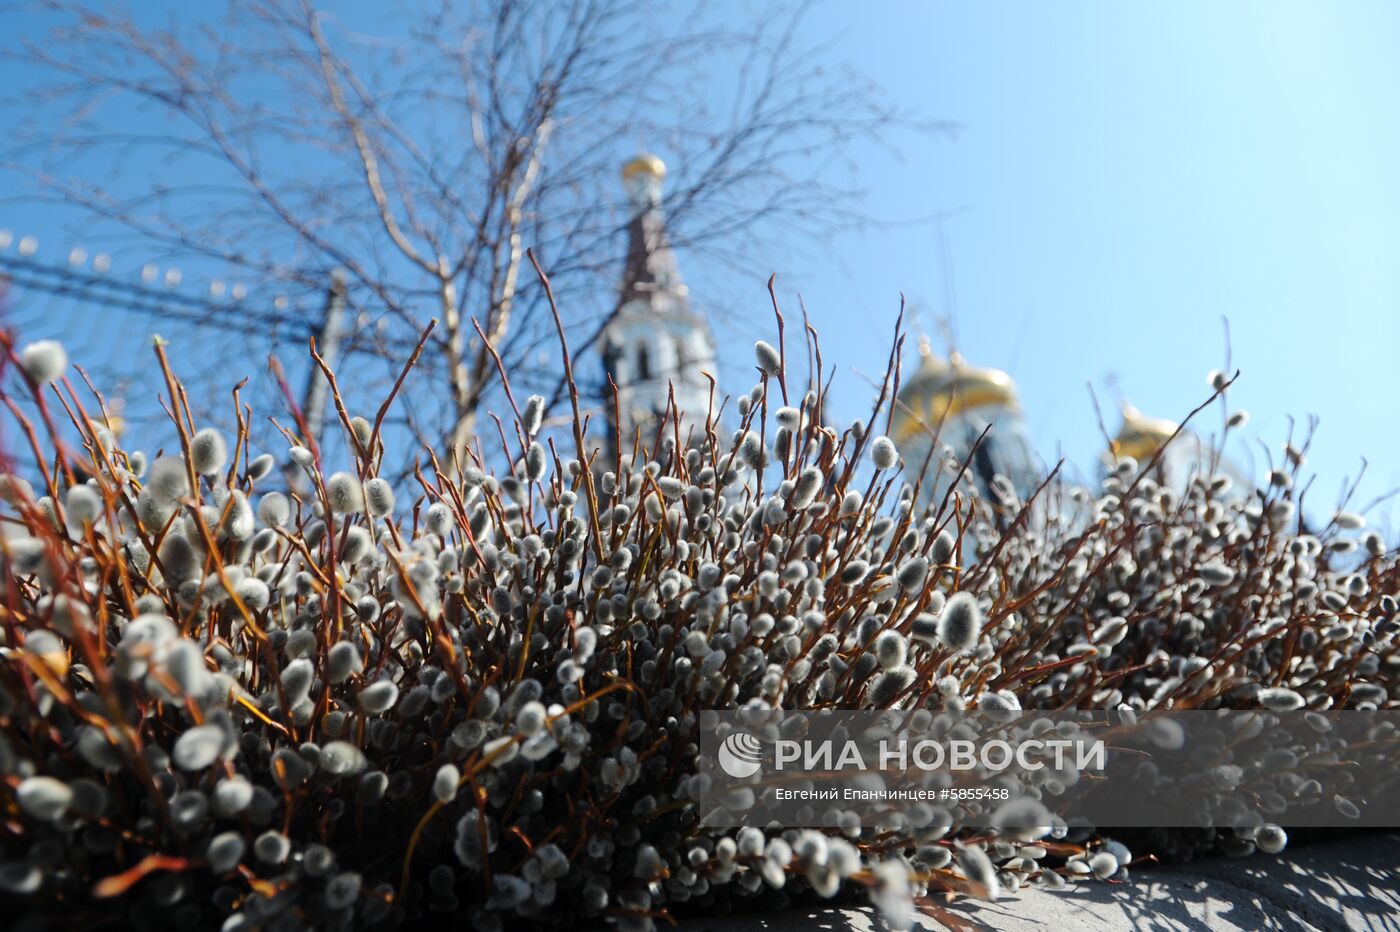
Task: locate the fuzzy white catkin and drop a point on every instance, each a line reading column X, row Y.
column 943, row 546
column 379, row 496
column 168, row 480
column 809, row 483
column 224, row 852
column 238, row 522
column 890, row 648
column 533, row 415
column 445, row 783
column 1349, row 520
column 1281, row 512
column 199, row 747
column 883, row 453
column 363, row 431
column 274, row 510
column 912, row 574
column 272, row 847
column 177, row 558
column 529, row 721
column 439, row 519
column 977, row 868
column 341, row 758
column 261, row 466
column 342, row 661
column 1217, row 574
column 585, row 642
column 358, row 545
column 44, row 361
column 83, row 504
column 43, row 798
column 1280, row 699
column 345, row 493
column 535, row 462
column 769, row 359
column 297, row 677
column 254, row 593
column 379, row 697
column 888, row 685
column 1270, row 838
column 1103, row 864
column 208, row 451
column 961, row 622
column 751, row 449
column 500, row 751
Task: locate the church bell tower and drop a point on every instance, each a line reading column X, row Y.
column 655, row 347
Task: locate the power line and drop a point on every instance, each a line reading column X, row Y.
column 109, row 291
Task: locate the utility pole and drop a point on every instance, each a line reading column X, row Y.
column 328, row 339
column 313, row 401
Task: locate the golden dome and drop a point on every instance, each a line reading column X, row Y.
column 973, row 387
column 646, row 164
column 1140, row 436
column 940, row 390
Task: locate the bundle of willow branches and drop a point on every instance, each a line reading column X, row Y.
column 353, row 703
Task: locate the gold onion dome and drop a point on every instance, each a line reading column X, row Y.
column 973, row 387
column 940, row 390
column 1141, row 436
column 646, row 164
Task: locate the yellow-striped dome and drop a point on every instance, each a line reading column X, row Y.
column 940, row 390
column 1141, row 436
column 645, row 164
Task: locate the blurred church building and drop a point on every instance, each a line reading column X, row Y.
column 948, row 404
column 660, row 353
column 656, row 349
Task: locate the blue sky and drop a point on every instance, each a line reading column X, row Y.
column 1125, row 175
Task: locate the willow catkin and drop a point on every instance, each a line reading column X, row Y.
column 343, row 661
column 208, row 452
column 768, row 358
column 883, row 453
column 533, row 415
column 809, row 483
column 224, row 852
column 379, row 497
column 912, row 574
column 274, row 510
column 168, row 481
column 535, row 462
column 1280, row 699
column 890, row 649
column 888, row 685
column 379, row 697
column 198, row 747
column 960, row 623
column 44, row 361
column 260, row 467
column 978, row 869
column 43, row 798
column 84, row 506
column 345, row 492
